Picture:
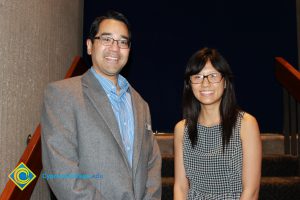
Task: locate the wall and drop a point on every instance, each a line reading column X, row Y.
column 38, row 40
column 298, row 30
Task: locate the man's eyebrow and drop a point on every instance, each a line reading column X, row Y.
column 125, row 37
column 106, row 34
column 110, row 34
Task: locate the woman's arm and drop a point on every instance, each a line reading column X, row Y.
column 181, row 185
column 252, row 156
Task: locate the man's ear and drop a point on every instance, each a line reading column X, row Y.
column 89, row 46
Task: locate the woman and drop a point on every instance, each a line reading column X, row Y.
column 217, row 146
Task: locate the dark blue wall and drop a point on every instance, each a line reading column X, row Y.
column 165, row 34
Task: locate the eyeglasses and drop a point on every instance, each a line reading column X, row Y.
column 212, row 78
column 108, row 41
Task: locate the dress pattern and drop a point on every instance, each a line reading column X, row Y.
column 212, row 174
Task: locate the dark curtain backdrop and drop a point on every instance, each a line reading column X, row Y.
column 166, row 33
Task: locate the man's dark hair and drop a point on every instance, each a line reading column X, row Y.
column 111, row 14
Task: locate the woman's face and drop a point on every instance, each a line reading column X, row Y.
column 208, row 85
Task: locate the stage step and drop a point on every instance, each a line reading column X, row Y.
column 271, row 188
column 272, row 165
column 272, row 143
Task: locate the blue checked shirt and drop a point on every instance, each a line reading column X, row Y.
column 122, row 107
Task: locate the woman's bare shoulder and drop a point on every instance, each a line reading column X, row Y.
column 179, row 129
column 249, row 126
column 248, row 119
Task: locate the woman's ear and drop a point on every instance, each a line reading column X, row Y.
column 224, row 84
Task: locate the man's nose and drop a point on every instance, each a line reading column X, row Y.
column 115, row 46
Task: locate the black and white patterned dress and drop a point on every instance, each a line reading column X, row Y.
column 212, row 174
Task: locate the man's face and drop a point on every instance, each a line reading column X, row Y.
column 109, row 60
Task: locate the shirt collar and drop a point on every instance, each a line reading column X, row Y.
column 109, row 86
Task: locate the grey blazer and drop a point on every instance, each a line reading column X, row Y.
column 80, row 138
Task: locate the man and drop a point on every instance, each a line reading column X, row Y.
column 96, row 129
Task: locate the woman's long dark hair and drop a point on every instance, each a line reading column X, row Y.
column 191, row 106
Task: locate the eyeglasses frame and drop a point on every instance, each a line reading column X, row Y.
column 113, row 40
column 206, row 76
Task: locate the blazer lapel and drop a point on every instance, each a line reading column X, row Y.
column 99, row 99
column 139, row 128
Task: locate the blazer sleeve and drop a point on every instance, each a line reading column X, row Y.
column 60, row 148
column 153, row 185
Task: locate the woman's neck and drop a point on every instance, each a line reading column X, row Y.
column 209, row 116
